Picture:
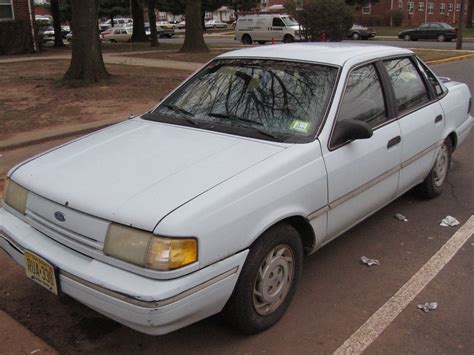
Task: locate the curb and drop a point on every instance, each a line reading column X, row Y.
column 450, row 60
column 16, row 339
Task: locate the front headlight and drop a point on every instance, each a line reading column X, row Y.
column 15, row 196
column 148, row 250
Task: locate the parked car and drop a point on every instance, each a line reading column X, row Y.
column 162, row 32
column 166, row 24
column 118, row 22
column 209, row 201
column 215, row 24
column 181, row 25
column 431, row 30
column 360, row 32
column 117, row 34
column 263, row 28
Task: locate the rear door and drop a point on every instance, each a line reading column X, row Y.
column 363, row 174
column 421, row 119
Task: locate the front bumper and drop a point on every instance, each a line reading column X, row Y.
column 150, row 306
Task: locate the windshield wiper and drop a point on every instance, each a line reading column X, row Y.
column 234, row 117
column 237, row 118
column 183, row 113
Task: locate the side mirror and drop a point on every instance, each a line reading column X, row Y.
column 350, row 130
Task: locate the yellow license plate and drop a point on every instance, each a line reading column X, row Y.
column 40, row 271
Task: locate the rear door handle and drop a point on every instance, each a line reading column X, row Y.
column 438, row 118
column 394, row 141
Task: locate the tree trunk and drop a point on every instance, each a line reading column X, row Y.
column 152, row 20
column 194, row 37
column 470, row 5
column 138, row 22
column 87, row 64
column 58, row 36
column 460, row 27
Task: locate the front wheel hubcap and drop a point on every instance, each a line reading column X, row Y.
column 441, row 166
column 274, row 280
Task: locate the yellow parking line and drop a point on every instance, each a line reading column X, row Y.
column 385, row 315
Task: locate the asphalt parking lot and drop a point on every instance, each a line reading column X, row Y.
column 336, row 296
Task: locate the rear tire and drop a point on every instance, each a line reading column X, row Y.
column 113, row 41
column 434, row 183
column 246, row 39
column 267, row 281
column 262, row 42
column 355, row 36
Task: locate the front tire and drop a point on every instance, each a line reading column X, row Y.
column 434, row 183
column 288, row 39
column 441, row 38
column 407, row 38
column 355, row 36
column 267, row 282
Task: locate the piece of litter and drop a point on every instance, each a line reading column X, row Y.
column 428, row 306
column 35, row 351
column 401, row 217
column 369, row 262
column 430, row 238
column 449, row 221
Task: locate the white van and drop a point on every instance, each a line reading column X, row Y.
column 263, row 28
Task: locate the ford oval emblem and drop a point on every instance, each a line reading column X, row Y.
column 60, row 216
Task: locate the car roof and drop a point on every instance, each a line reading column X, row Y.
column 330, row 53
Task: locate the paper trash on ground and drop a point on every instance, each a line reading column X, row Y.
column 369, row 262
column 449, row 221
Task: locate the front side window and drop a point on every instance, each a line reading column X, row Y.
column 410, row 91
column 6, row 10
column 278, row 22
column 268, row 99
column 363, row 99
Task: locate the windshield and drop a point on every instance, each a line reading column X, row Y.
column 266, row 99
column 290, row 21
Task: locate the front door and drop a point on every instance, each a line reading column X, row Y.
column 362, row 174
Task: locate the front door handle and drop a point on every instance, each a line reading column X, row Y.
column 394, row 141
column 438, row 118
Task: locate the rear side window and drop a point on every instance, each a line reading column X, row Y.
column 432, row 79
column 363, row 99
column 410, row 91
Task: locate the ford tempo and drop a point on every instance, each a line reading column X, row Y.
column 208, row 202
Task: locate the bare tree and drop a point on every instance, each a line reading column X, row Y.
column 194, row 36
column 58, row 38
column 138, row 22
column 87, row 64
column 460, row 27
column 470, row 6
column 152, row 20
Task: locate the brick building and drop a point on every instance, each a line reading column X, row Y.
column 17, row 26
column 414, row 12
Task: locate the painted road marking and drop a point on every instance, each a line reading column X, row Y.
column 385, row 315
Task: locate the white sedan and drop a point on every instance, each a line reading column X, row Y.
column 208, row 202
column 215, row 24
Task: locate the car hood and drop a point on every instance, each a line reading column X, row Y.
column 137, row 172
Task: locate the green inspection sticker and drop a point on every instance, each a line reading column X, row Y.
column 300, row 126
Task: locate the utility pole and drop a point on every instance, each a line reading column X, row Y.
column 460, row 27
